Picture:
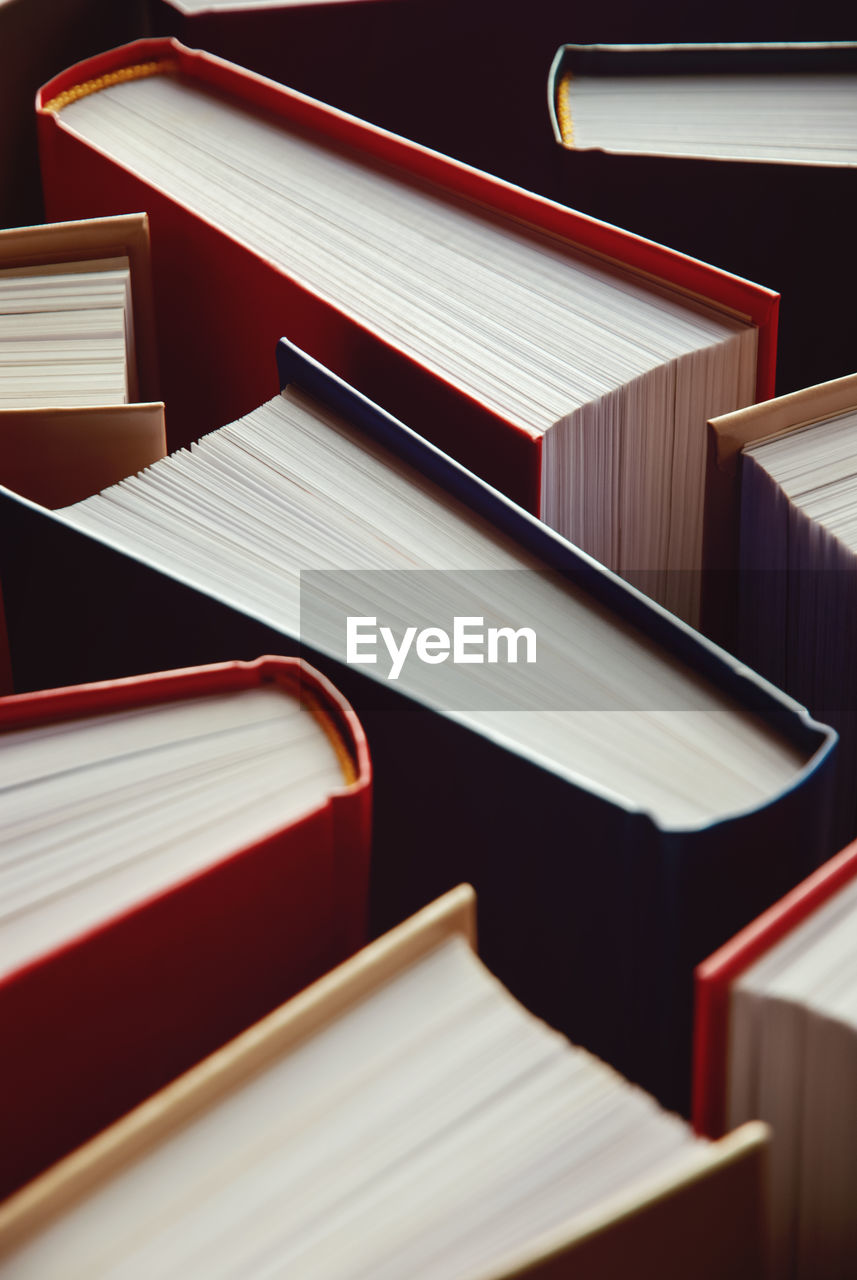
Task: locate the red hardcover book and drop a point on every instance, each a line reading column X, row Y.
column 714, row 978
column 117, row 1009
column 221, row 305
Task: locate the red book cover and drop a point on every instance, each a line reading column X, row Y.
column 714, row 977
column 94, row 1026
column 205, row 279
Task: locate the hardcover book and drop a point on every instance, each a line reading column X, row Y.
column 66, row 428
column 403, row 1116
column 181, row 852
column 780, row 511
column 776, row 1037
column 625, row 802
column 79, row 402
column 571, row 364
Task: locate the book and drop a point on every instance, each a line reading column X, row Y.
column 779, row 523
column 535, row 354
column 594, row 797
column 403, row 1116
column 64, row 436
column 722, row 503
column 718, row 187
column 775, row 1038
column 181, row 852
column 79, row 404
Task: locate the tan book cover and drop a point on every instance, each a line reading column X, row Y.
column 126, row 236
column 661, row 1227
column 57, row 456
column 726, row 437
column 89, row 449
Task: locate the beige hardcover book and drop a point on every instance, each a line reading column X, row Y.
column 78, row 367
column 727, row 436
column 166, row 1178
column 127, row 236
column 782, row 495
column 76, row 314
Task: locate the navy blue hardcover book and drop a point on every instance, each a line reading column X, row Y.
column 594, row 910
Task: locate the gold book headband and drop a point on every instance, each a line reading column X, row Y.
column 563, row 110
column 138, row 72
